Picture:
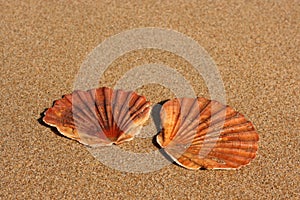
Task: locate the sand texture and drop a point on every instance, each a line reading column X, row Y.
column 255, row 45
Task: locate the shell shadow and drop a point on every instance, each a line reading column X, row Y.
column 155, row 114
column 53, row 129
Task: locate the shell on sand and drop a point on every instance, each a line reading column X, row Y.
column 200, row 133
column 99, row 117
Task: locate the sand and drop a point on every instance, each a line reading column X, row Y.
column 255, row 46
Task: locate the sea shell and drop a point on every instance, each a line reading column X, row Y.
column 200, row 133
column 99, row 117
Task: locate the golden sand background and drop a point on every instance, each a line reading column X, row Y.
column 255, row 45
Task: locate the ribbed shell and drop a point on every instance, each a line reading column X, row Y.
column 100, row 116
column 200, row 133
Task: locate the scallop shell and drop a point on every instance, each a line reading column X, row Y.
column 100, row 116
column 200, row 133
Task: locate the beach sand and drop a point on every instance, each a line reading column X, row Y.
column 255, row 46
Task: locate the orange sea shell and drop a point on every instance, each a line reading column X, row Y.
column 100, row 116
column 200, row 133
